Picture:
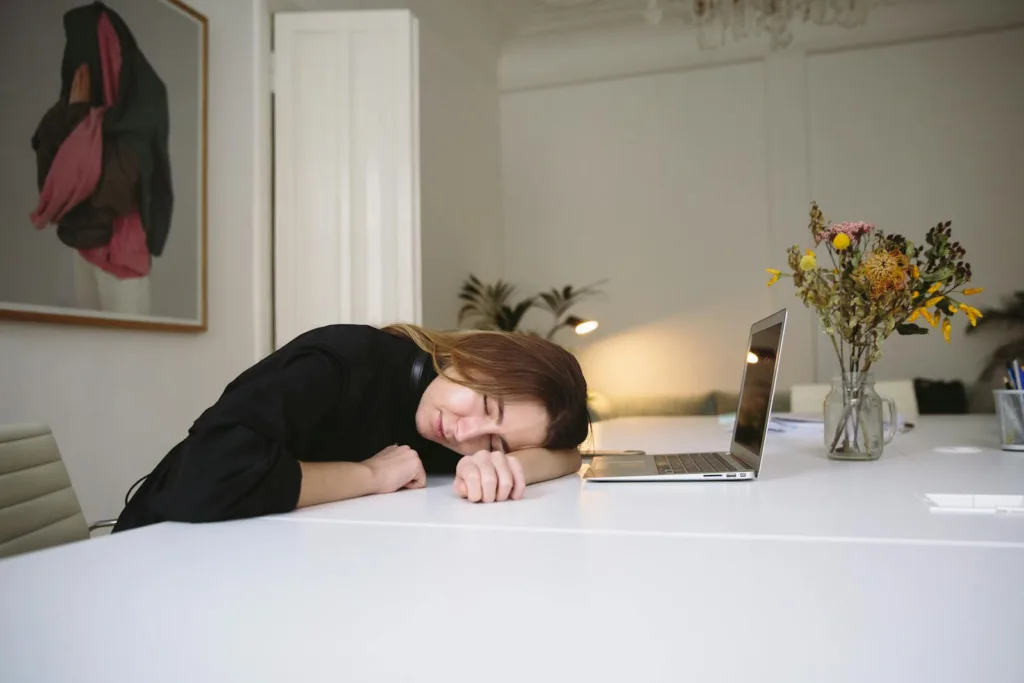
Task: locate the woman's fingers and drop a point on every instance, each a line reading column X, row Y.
column 506, row 480
column 518, row 477
column 488, row 477
column 471, row 478
column 419, row 476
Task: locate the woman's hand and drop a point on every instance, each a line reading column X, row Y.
column 80, row 86
column 397, row 467
column 488, row 477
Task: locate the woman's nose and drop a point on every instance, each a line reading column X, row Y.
column 470, row 428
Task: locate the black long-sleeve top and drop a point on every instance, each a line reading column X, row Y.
column 336, row 393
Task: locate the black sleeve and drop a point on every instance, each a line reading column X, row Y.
column 237, row 461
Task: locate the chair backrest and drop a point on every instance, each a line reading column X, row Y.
column 902, row 393
column 810, row 398
column 38, row 507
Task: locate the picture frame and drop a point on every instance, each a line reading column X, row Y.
column 104, row 212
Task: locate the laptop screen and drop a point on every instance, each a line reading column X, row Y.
column 758, row 387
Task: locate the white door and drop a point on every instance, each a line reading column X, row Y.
column 346, row 159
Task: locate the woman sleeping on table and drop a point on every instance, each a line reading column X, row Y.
column 348, row 410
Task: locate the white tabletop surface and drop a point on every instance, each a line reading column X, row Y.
column 800, row 492
column 265, row 600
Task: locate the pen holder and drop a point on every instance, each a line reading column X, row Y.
column 1010, row 411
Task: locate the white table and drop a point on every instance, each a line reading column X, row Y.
column 800, row 494
column 267, row 601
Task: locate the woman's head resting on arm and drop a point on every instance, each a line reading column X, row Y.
column 499, row 391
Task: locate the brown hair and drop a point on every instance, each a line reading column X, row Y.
column 512, row 366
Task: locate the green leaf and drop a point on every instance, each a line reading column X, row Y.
column 937, row 275
column 910, row 328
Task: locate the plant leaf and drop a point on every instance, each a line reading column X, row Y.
column 910, row 328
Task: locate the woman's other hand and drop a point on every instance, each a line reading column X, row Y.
column 488, row 477
column 80, row 86
column 397, row 467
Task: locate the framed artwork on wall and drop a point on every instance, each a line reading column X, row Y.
column 103, row 159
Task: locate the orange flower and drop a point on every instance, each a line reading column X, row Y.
column 885, row 271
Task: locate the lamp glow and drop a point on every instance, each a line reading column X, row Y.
column 580, row 325
column 751, row 357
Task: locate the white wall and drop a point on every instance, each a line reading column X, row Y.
column 460, row 180
column 118, row 400
column 912, row 134
column 683, row 185
column 651, row 182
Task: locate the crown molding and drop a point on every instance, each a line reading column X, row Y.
column 554, row 59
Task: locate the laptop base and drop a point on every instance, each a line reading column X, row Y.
column 669, row 467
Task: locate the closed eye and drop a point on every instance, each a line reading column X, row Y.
column 501, row 416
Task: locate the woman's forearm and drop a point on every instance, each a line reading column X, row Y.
column 326, row 482
column 541, row 464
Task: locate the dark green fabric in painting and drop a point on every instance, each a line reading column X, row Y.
column 139, row 118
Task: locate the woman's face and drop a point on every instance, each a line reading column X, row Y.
column 466, row 421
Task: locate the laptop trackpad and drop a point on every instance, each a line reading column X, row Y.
column 619, row 466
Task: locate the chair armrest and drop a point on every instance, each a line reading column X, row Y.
column 103, row 523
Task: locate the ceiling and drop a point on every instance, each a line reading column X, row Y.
column 520, row 18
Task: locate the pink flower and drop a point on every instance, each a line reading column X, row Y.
column 852, row 229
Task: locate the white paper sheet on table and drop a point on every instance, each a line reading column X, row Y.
column 796, row 423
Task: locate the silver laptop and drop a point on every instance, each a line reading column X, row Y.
column 743, row 461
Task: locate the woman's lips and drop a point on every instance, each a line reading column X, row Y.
column 439, row 428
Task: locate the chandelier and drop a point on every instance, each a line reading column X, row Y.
column 717, row 20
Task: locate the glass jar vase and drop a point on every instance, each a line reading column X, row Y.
column 856, row 424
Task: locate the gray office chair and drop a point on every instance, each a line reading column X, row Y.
column 38, row 506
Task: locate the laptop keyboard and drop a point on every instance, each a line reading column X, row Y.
column 694, row 463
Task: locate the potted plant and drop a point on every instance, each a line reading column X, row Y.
column 492, row 306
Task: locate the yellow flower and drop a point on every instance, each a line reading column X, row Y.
column 973, row 290
column 972, row 313
column 809, row 261
column 946, row 327
column 934, row 288
column 915, row 315
column 934, row 300
column 775, row 275
column 932, row 320
column 841, row 241
column 915, row 295
column 952, row 309
column 915, row 272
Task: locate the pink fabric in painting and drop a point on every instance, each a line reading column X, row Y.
column 75, row 171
